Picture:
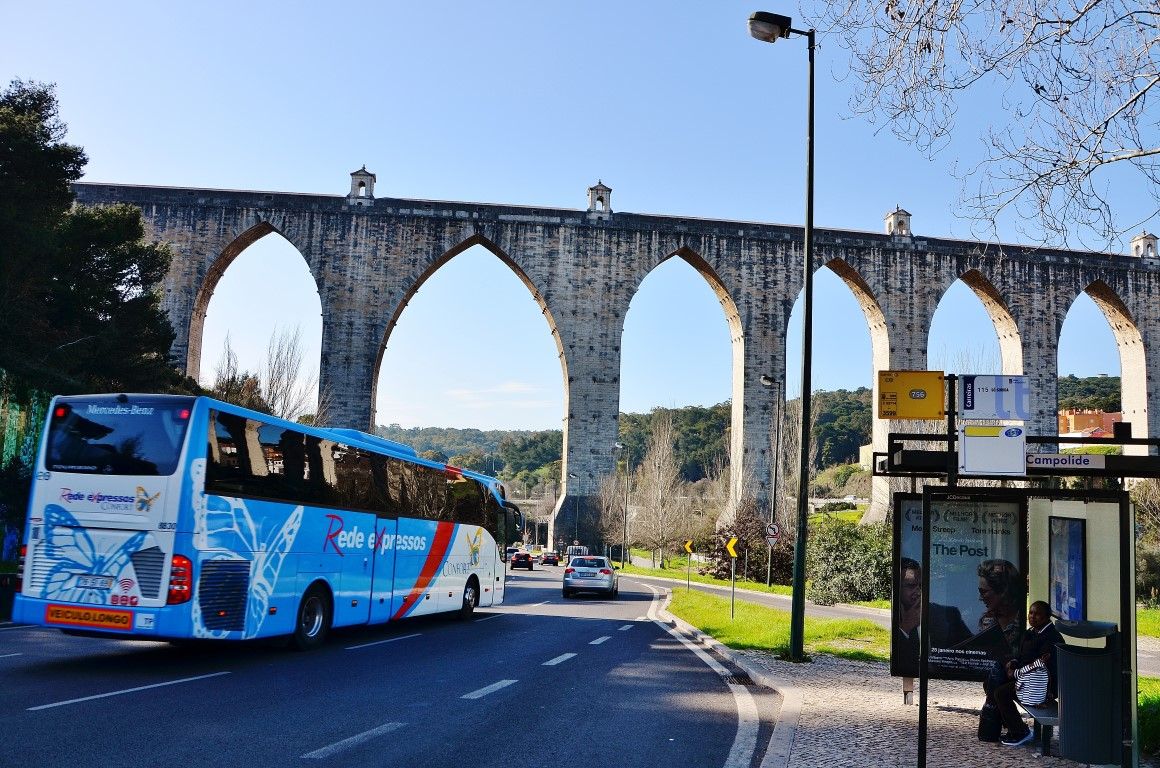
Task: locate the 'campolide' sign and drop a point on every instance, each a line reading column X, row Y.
column 1065, row 460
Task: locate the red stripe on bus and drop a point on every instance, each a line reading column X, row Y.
column 435, row 558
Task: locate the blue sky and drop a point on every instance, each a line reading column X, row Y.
column 671, row 104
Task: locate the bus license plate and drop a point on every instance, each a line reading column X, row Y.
column 88, row 581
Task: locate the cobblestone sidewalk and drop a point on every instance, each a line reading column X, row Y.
column 852, row 713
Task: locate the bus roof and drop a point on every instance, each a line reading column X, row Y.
column 351, row 436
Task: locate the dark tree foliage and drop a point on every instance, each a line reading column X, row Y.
column 530, row 452
column 1097, row 393
column 76, row 307
column 701, row 436
column 842, row 424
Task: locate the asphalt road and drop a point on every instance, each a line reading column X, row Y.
column 586, row 681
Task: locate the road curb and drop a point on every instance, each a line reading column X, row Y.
column 777, row 752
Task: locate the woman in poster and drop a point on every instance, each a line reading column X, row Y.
column 1002, row 592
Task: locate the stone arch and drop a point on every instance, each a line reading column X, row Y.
column 417, row 283
column 213, row 275
column 732, row 315
column 875, row 317
column 1133, row 359
column 1006, row 329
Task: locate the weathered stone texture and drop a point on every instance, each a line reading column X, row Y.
column 583, row 270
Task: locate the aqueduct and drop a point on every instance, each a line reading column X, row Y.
column 369, row 256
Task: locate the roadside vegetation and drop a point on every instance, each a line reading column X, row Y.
column 758, row 628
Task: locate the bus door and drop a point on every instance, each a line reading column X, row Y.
column 421, row 548
column 383, row 575
column 352, row 535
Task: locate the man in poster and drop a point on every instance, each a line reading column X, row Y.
column 976, row 595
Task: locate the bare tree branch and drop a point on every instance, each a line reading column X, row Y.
column 1074, row 80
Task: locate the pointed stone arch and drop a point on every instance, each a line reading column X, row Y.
column 739, row 446
column 875, row 317
column 414, row 286
column 1133, row 359
column 1006, row 329
column 213, row 275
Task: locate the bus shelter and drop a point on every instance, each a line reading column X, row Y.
column 978, row 556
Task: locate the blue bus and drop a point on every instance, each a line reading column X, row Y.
column 176, row 517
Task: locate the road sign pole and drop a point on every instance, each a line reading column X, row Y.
column 733, row 585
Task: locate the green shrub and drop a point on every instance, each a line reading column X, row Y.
column 846, row 562
column 1148, row 574
column 837, row 506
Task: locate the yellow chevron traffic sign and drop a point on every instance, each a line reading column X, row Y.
column 729, row 546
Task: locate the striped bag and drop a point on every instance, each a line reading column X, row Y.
column 1031, row 683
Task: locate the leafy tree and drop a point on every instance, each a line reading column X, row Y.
column 1074, row 81
column 76, row 306
column 531, row 451
column 1096, row 393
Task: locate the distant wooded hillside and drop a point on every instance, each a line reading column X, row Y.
column 842, row 423
column 1099, row 393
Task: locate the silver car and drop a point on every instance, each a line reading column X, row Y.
column 590, row 574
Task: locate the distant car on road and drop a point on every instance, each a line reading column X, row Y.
column 522, row 559
column 551, row 558
column 509, row 552
column 590, row 574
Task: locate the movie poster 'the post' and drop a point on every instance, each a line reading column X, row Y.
column 977, row 585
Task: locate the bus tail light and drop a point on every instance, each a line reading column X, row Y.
column 180, row 580
column 20, row 568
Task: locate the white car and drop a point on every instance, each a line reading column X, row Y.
column 590, row 574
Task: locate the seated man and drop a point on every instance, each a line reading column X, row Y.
column 1037, row 645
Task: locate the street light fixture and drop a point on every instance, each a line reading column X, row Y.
column 575, row 511
column 624, row 522
column 769, row 28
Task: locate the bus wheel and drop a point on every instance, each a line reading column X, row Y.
column 313, row 624
column 470, row 599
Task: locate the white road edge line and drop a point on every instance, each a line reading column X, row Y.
column 489, row 689
column 627, row 627
column 127, row 690
column 600, row 640
column 9, row 655
column 382, row 642
column 559, row 659
column 353, row 741
column 487, row 618
column 748, row 720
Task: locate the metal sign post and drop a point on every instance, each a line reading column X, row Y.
column 689, row 575
column 732, row 575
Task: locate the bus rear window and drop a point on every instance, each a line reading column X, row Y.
column 116, row 435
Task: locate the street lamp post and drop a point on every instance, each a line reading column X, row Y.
column 575, row 511
column 624, row 521
column 769, row 28
column 775, row 447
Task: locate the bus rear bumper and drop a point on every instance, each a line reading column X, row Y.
column 112, row 621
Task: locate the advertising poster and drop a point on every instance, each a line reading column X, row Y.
column 907, row 603
column 977, row 585
column 1066, row 568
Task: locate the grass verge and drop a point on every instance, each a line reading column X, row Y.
column 756, row 627
column 1148, row 699
column 676, row 570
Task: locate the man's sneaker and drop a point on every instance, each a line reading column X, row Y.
column 1017, row 740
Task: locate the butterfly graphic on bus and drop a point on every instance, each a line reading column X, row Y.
column 226, row 524
column 475, row 543
column 72, row 551
column 145, row 501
